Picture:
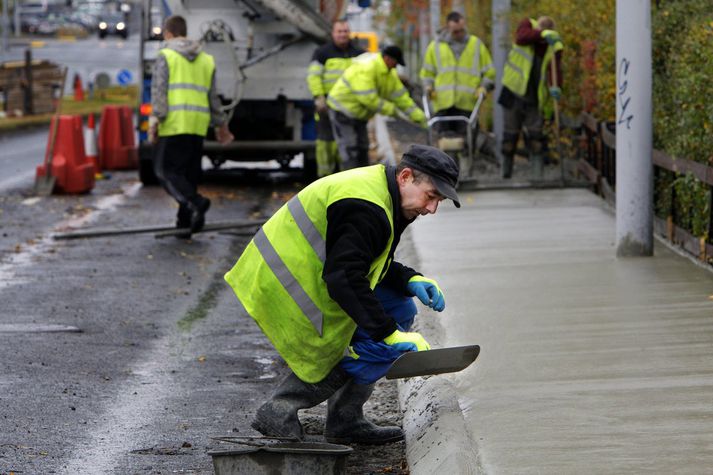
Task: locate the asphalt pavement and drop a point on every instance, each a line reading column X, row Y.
column 589, row 363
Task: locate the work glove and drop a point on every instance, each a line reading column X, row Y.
column 431, row 93
column 488, row 84
column 481, row 91
column 419, row 118
column 427, row 291
column 551, row 36
column 556, row 93
column 407, row 341
column 223, row 134
column 320, row 104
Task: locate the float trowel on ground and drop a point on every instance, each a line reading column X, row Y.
column 442, row 360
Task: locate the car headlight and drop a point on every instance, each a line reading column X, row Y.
column 156, row 30
column 102, row 25
column 120, row 25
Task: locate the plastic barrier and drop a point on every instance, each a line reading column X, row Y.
column 117, row 146
column 90, row 143
column 73, row 171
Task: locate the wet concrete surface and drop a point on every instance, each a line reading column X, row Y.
column 589, row 363
column 163, row 361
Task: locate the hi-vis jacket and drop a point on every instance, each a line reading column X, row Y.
column 368, row 87
column 327, row 65
column 279, row 277
column 188, row 85
column 456, row 81
column 519, row 67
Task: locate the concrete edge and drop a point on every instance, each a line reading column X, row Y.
column 437, row 438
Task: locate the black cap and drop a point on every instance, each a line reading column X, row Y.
column 437, row 164
column 396, row 53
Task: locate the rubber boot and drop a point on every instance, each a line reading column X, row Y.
column 278, row 416
column 537, row 167
column 507, row 166
column 346, row 422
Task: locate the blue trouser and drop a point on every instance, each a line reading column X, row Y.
column 375, row 357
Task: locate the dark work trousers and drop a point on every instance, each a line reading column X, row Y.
column 352, row 140
column 177, row 164
column 458, row 128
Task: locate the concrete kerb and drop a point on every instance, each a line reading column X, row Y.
column 437, row 438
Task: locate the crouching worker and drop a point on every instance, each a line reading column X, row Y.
column 320, row 281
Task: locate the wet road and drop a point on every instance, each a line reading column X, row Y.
column 589, row 364
column 20, row 153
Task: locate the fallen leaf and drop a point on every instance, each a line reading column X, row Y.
column 201, row 359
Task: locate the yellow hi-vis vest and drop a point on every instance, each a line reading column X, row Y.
column 455, row 82
column 188, row 86
column 278, row 278
column 368, row 87
column 519, row 65
column 322, row 77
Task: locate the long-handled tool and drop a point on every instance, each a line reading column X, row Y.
column 45, row 184
column 553, row 69
column 442, row 360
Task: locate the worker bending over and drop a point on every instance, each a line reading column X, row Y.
column 368, row 87
column 320, row 280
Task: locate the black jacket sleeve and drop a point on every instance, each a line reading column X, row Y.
column 357, row 233
column 398, row 276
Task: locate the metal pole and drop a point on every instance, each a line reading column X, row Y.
column 634, row 169
column 16, row 17
column 499, row 48
column 435, row 18
column 5, row 25
column 458, row 7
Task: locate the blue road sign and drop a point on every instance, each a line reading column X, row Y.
column 124, row 77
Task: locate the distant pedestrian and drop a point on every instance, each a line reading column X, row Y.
column 529, row 88
column 368, row 87
column 184, row 102
column 328, row 63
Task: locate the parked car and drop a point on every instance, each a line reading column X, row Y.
column 113, row 24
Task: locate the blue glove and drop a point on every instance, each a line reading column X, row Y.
column 407, row 341
column 427, row 291
column 556, row 93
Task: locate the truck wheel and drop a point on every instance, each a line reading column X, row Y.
column 309, row 172
column 146, row 173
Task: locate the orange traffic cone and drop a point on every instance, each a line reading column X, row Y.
column 78, row 90
column 90, row 145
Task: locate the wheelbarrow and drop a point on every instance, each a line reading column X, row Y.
column 464, row 151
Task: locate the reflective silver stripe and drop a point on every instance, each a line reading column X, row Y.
column 464, row 88
column 355, row 92
column 446, row 87
column 316, row 65
column 380, row 105
column 287, row 280
column 188, row 107
column 334, row 71
column 186, row 85
column 335, row 104
column 475, row 69
column 516, row 68
column 486, row 68
column 397, row 94
column 427, row 81
column 308, row 228
column 410, row 110
column 347, row 351
column 429, row 67
column 437, row 48
column 522, row 53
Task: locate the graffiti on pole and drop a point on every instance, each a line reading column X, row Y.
column 623, row 94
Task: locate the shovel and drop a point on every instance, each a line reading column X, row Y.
column 45, row 184
column 442, row 360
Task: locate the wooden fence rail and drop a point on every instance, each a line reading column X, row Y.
column 597, row 164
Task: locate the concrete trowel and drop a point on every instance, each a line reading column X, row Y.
column 441, row 360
